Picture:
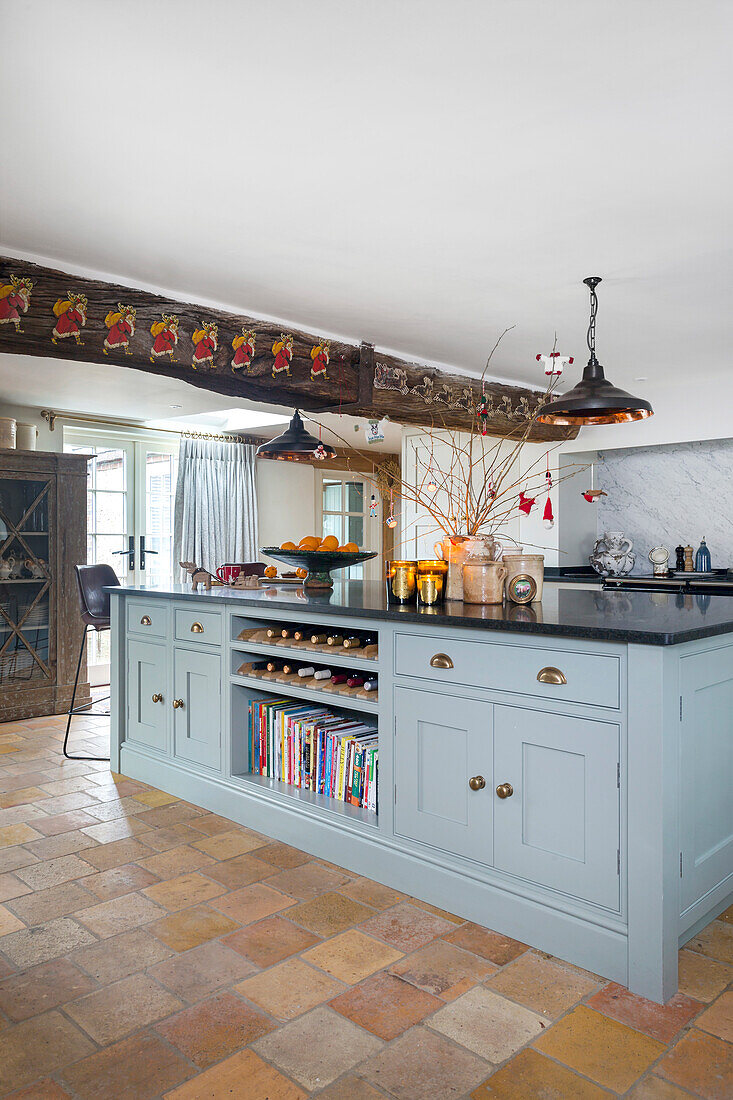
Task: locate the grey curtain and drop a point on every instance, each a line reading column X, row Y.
column 216, row 503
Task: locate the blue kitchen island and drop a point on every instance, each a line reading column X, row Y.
column 561, row 772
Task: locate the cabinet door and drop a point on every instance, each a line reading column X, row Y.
column 707, row 771
column 197, row 720
column 147, row 702
column 441, row 742
column 560, row 827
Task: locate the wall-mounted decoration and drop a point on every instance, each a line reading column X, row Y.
column 165, row 338
column 319, row 357
column 121, row 326
column 71, row 317
column 205, row 341
column 244, row 350
column 282, row 349
column 15, row 298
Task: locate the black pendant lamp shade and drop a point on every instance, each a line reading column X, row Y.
column 295, row 444
column 594, row 400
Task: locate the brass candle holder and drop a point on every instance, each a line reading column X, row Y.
column 432, row 575
column 401, row 578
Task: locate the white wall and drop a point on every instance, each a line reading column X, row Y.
column 286, row 500
column 47, row 440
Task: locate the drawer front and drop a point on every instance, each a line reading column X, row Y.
column 195, row 625
column 147, row 702
column 589, row 677
column 148, row 618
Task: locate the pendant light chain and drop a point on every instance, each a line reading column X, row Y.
column 591, row 337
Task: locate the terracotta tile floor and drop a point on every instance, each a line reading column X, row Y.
column 150, row 949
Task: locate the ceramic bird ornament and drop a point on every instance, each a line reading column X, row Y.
column 592, row 495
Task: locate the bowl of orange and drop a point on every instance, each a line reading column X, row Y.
column 317, row 557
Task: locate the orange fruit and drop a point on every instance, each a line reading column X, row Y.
column 329, row 543
column 288, row 546
column 351, row 547
column 302, row 573
column 310, row 542
column 271, row 571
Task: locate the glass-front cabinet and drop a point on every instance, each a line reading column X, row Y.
column 42, row 537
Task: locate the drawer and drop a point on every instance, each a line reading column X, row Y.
column 147, row 617
column 591, row 678
column 194, row 625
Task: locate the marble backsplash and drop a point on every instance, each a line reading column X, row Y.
column 667, row 495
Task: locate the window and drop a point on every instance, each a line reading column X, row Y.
column 344, row 505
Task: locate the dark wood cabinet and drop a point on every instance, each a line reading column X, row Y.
column 43, row 524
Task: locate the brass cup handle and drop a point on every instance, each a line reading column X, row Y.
column 505, row 790
column 196, row 628
column 177, row 704
column 441, row 660
column 551, row 675
column 157, row 697
column 477, row 782
column 146, row 621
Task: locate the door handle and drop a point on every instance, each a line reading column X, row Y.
column 551, row 675
column 178, row 704
column 477, row 782
column 130, row 552
column 157, row 697
column 441, row 660
column 143, row 551
column 505, row 790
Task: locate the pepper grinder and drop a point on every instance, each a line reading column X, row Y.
column 689, row 566
column 680, row 552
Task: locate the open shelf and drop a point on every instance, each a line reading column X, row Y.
column 317, row 804
column 311, row 695
column 308, row 651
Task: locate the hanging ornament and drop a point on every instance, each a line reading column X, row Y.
column 373, row 507
column 591, row 495
column 490, row 490
column 548, row 519
column 483, row 411
column 374, row 431
column 320, row 452
column 526, row 504
column 432, row 485
column 391, row 521
column 554, row 363
column 548, row 475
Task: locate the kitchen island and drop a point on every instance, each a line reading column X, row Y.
column 560, row 772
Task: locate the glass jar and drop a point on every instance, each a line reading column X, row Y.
column 432, row 576
column 401, row 582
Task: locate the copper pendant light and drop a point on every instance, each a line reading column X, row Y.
column 296, row 444
column 594, row 400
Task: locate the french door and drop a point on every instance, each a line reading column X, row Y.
column 131, row 484
column 344, row 508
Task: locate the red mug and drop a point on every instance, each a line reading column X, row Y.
column 227, row 574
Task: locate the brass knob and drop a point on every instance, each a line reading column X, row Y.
column 177, row 704
column 551, row 675
column 477, row 783
column 441, row 660
column 157, row 697
column 196, row 628
column 505, row 790
column 146, row 621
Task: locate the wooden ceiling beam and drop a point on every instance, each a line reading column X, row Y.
column 50, row 313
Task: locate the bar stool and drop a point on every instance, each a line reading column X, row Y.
column 91, row 581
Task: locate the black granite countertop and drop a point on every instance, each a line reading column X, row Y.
column 646, row 618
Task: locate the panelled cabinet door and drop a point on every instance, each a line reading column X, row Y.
column 560, row 825
column 706, row 771
column 441, row 743
column 147, row 702
column 197, row 715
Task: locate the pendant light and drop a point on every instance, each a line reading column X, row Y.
column 594, row 400
column 296, row 444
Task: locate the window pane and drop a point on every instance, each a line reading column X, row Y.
column 331, row 496
column 332, row 526
column 110, row 512
column 104, row 545
column 111, row 470
column 355, row 496
column 355, row 529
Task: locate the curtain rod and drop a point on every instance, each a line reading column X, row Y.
column 52, row 417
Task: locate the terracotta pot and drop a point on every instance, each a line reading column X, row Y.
column 483, row 581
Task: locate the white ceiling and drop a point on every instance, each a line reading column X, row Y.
column 420, row 174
